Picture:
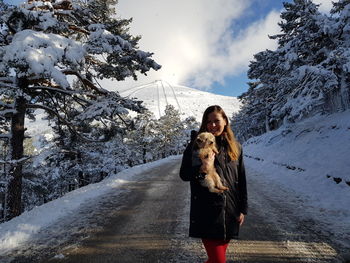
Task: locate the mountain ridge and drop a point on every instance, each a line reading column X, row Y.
column 188, row 101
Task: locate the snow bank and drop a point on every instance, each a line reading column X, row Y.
column 311, row 158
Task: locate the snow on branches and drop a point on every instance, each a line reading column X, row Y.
column 51, row 43
column 52, row 54
column 43, row 56
column 308, row 74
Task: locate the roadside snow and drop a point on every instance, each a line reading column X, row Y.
column 308, row 160
column 19, row 230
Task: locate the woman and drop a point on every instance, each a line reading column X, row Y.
column 216, row 218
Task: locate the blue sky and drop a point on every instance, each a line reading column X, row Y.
column 202, row 44
column 235, row 84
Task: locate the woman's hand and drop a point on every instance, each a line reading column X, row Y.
column 208, row 162
column 240, row 219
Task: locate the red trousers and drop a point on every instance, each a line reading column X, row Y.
column 216, row 250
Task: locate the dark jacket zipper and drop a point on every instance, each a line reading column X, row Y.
column 224, row 217
column 225, row 198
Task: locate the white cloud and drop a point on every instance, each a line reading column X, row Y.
column 325, row 5
column 192, row 39
column 240, row 51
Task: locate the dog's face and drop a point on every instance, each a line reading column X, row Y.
column 205, row 140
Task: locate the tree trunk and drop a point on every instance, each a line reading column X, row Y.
column 144, row 152
column 344, row 92
column 14, row 188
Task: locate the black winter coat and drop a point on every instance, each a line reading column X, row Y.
column 213, row 215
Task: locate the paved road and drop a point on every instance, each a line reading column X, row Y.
column 148, row 222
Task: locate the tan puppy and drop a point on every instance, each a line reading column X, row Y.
column 205, row 143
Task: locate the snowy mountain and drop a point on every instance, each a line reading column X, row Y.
column 190, row 102
column 155, row 96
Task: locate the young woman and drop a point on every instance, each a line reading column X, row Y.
column 216, row 218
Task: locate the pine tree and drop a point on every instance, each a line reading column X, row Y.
column 143, row 138
column 256, row 105
column 171, row 132
column 189, row 124
column 340, row 6
column 339, row 59
column 44, row 42
column 303, row 46
column 306, row 75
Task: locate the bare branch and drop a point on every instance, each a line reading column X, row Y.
column 7, row 105
column 85, row 81
column 7, row 79
column 16, row 162
column 42, row 81
column 78, row 29
column 6, row 85
column 69, row 92
column 65, row 5
column 5, row 136
column 72, row 93
column 120, row 117
column 64, row 121
column 5, row 112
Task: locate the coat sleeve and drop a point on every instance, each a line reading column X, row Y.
column 189, row 170
column 242, row 185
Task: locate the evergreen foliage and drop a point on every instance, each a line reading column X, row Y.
column 41, row 44
column 66, row 164
column 172, row 131
column 308, row 74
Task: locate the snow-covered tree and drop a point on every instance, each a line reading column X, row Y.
column 257, row 105
column 67, row 164
column 303, row 45
column 266, row 72
column 44, row 46
column 58, row 170
column 308, row 74
column 340, row 6
column 152, row 139
column 143, row 139
column 189, row 124
column 338, row 60
column 171, row 130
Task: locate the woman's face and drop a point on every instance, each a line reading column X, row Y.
column 216, row 123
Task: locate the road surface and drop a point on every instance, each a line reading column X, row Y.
column 148, row 222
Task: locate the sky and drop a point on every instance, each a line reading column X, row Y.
column 202, row 44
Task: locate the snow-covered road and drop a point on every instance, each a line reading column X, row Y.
column 145, row 219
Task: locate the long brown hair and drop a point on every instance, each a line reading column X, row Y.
column 233, row 147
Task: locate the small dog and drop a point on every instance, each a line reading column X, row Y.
column 205, row 145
